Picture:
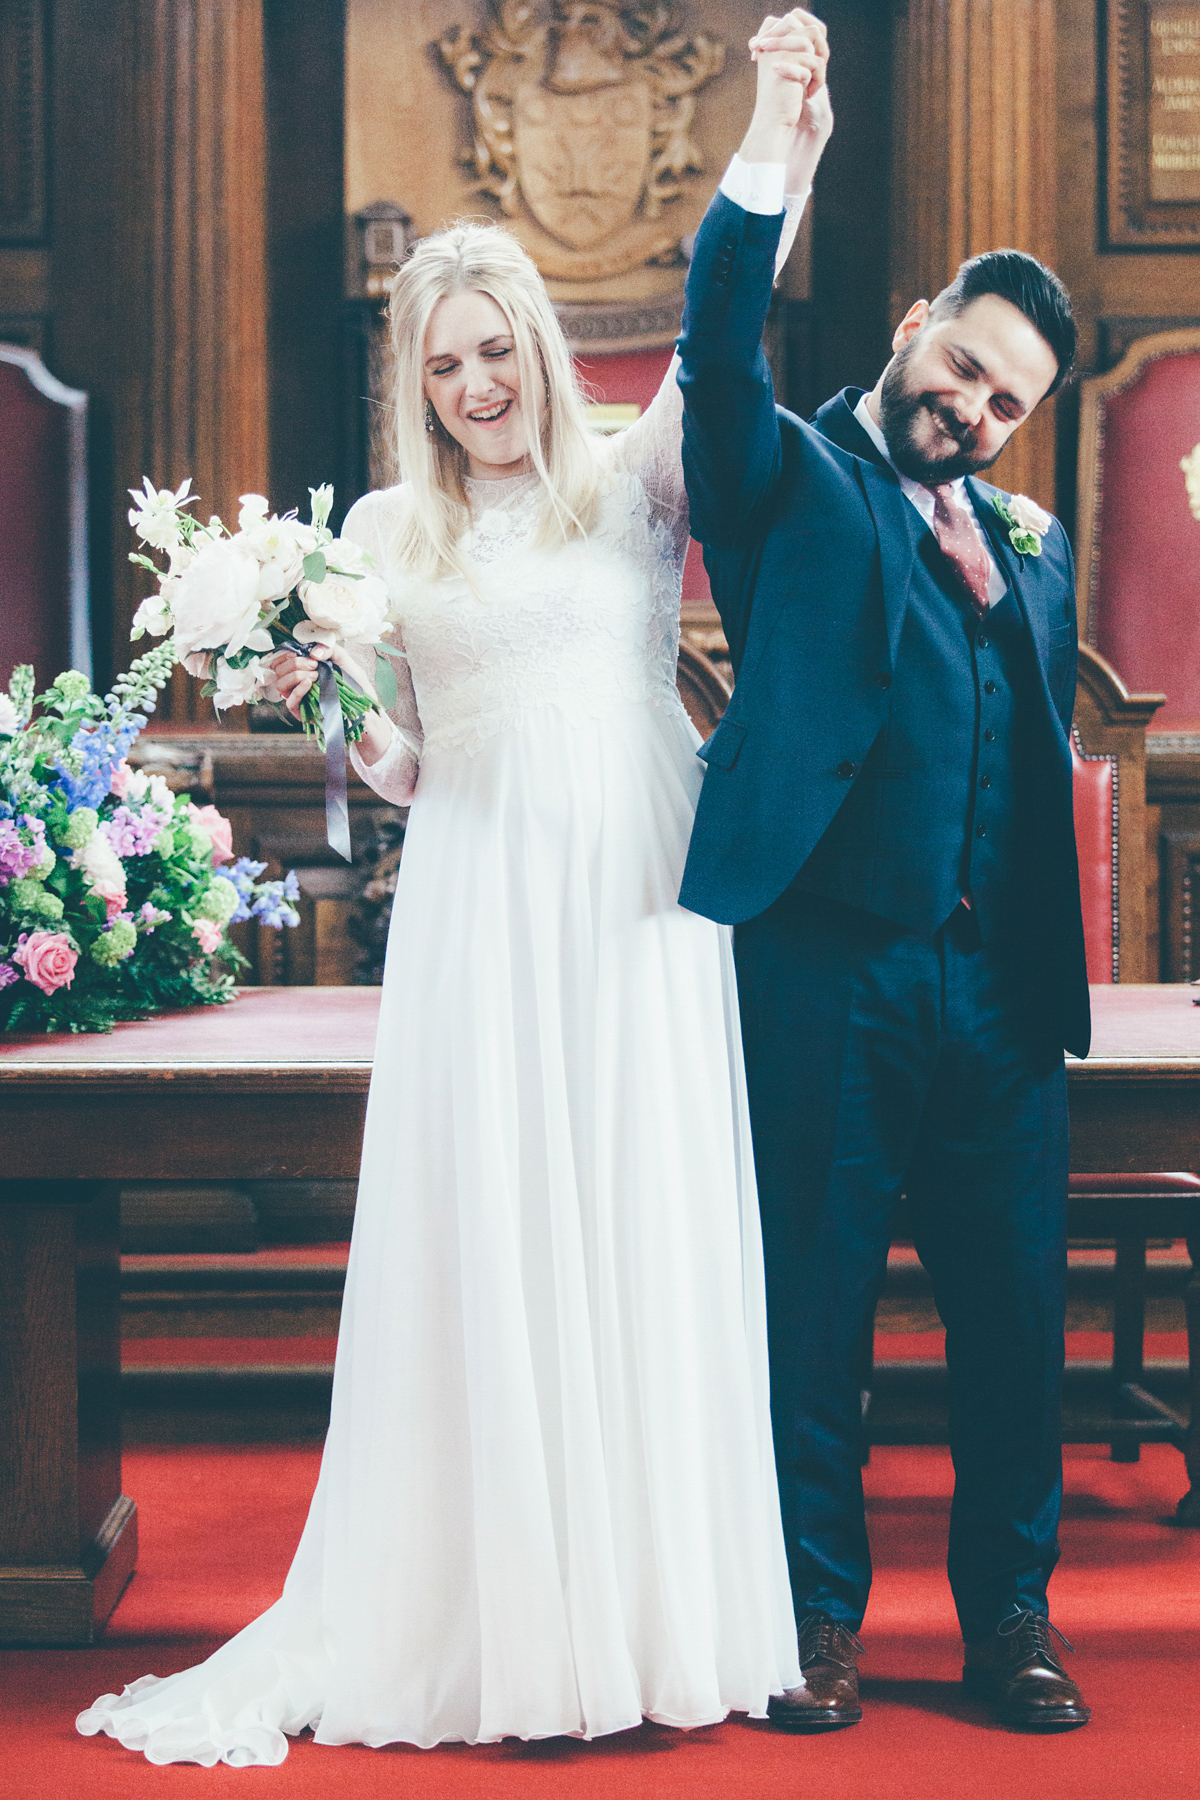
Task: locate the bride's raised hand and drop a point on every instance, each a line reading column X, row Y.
column 792, row 54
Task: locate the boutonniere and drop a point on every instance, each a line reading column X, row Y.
column 1027, row 523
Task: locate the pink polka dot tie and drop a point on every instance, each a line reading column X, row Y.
column 959, row 538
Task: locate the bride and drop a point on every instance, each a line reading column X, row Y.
column 547, row 1499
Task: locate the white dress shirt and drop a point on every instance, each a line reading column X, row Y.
column 922, row 498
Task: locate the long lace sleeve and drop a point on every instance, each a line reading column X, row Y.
column 393, row 776
column 652, row 447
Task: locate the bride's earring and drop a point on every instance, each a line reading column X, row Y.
column 429, row 418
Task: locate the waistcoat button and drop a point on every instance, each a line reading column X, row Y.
column 989, row 687
column 883, row 679
column 989, row 736
column 981, row 831
column 847, row 770
column 984, row 643
column 985, row 781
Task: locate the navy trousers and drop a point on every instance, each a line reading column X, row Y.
column 882, row 1062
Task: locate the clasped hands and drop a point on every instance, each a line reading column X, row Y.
column 792, row 115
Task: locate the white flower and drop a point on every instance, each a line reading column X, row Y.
column 254, row 508
column 216, row 600
column 102, row 868
column 354, row 610
column 279, row 546
column 1029, row 515
column 154, row 514
column 153, row 615
column 198, row 663
column 8, row 717
column 236, row 686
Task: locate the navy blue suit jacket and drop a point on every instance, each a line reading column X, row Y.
column 809, row 554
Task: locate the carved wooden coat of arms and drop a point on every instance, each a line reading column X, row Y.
column 583, row 114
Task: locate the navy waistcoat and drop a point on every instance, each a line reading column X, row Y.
column 940, row 806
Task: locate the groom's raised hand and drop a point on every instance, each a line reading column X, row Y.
column 792, row 117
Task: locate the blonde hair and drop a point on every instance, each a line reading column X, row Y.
column 486, row 259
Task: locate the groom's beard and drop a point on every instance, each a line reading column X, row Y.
column 902, row 409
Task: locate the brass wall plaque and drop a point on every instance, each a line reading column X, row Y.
column 1153, row 137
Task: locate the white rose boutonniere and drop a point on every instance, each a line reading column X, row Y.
column 1027, row 522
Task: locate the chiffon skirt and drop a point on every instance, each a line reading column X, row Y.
column 547, row 1500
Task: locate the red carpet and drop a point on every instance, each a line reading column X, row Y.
column 218, row 1527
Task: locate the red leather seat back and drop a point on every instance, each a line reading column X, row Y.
column 1095, row 843
column 1144, row 610
column 41, row 447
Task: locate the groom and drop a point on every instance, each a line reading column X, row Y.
column 886, row 818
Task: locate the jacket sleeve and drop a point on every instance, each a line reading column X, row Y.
column 731, row 447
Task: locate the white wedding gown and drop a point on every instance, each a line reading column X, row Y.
column 547, row 1500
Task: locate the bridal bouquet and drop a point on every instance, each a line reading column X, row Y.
column 115, row 894
column 231, row 599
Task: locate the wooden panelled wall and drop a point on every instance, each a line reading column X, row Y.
column 974, row 156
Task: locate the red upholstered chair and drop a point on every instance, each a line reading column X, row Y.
column 43, row 520
column 1139, row 543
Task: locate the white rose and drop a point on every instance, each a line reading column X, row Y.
column 102, row 869
column 354, row 610
column 236, row 686
column 1029, row 515
column 198, row 663
column 153, row 615
column 8, row 717
column 344, row 553
column 279, row 550
column 216, row 600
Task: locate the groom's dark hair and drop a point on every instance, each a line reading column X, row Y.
column 1026, row 284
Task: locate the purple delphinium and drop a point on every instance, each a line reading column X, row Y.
column 275, row 903
column 8, row 974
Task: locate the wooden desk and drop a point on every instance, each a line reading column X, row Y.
column 276, row 1086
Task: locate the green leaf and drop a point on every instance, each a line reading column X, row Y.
column 315, row 566
column 390, row 650
column 385, row 684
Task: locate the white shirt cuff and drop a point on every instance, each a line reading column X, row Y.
column 755, row 187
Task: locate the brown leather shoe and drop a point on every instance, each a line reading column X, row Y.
column 1018, row 1670
column 829, row 1656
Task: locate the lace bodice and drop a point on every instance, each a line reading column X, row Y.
column 581, row 625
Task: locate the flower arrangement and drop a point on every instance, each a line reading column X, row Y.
column 115, row 894
column 231, row 599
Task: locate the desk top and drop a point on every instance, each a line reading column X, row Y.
column 303, row 1033
column 287, row 1034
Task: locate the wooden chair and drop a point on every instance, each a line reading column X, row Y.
column 43, row 520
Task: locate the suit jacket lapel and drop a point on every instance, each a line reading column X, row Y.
column 1023, row 573
column 886, row 500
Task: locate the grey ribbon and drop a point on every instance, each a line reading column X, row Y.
column 337, row 812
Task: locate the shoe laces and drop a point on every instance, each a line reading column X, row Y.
column 1033, row 1632
column 822, row 1636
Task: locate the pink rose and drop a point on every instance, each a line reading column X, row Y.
column 113, row 897
column 207, row 933
column 217, row 829
column 48, row 959
column 118, row 781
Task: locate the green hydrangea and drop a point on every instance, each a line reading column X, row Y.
column 117, row 942
column 219, row 902
column 72, row 687
column 164, row 844
column 198, row 838
column 81, row 828
column 45, row 868
column 25, row 895
column 49, row 906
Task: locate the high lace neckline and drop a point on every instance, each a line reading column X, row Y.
column 478, row 488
